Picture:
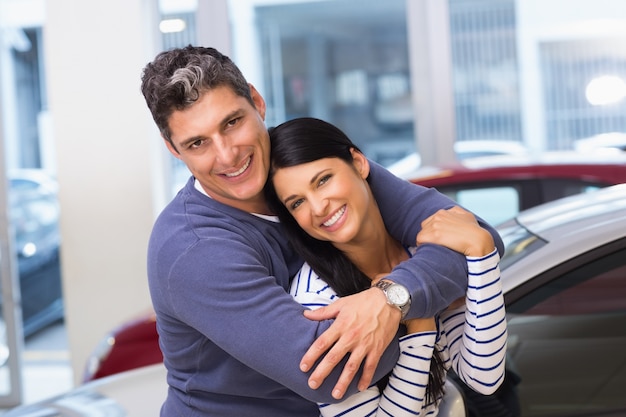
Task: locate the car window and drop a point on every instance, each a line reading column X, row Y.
column 553, row 189
column 518, row 242
column 493, row 204
column 567, row 340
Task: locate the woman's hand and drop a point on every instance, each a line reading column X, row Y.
column 456, row 229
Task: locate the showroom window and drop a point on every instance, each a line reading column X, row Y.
column 347, row 63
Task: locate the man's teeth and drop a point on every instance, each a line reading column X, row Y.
column 336, row 217
column 243, row 168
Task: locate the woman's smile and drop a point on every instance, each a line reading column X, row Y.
column 335, row 217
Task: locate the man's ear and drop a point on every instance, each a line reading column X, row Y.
column 171, row 148
column 258, row 101
column 361, row 163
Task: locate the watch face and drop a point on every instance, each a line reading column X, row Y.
column 398, row 295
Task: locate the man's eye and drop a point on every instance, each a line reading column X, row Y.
column 196, row 144
column 234, row 121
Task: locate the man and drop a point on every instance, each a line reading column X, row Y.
column 234, row 341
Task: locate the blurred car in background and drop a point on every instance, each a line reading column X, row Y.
column 604, row 142
column 498, row 187
column 34, row 216
column 464, row 150
column 133, row 344
column 135, row 393
column 564, row 283
column 33, row 212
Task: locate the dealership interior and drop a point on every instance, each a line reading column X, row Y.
column 87, row 173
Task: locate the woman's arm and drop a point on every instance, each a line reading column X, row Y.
column 476, row 332
column 477, row 336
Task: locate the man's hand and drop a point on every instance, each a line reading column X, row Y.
column 364, row 326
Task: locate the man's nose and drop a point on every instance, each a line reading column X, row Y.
column 226, row 153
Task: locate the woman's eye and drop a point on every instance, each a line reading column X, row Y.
column 296, row 204
column 324, row 179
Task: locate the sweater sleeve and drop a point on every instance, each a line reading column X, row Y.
column 477, row 333
column 435, row 275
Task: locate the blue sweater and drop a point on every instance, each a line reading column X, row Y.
column 231, row 334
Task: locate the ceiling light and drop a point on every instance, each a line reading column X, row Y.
column 607, row 89
column 172, row 25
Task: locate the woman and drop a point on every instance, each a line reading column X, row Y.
column 318, row 187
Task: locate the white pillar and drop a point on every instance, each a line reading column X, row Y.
column 431, row 77
column 107, row 150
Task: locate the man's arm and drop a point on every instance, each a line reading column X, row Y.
column 227, row 298
column 435, row 275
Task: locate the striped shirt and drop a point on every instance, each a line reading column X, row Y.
column 471, row 340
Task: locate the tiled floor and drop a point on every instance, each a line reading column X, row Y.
column 46, row 371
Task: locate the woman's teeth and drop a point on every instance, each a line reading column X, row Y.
column 336, row 217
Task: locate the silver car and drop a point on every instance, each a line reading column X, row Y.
column 564, row 277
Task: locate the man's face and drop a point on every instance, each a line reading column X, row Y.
column 224, row 142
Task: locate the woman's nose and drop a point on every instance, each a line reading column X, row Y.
column 319, row 206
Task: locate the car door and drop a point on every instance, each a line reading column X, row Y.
column 567, row 337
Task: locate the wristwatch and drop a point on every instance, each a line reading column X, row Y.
column 397, row 295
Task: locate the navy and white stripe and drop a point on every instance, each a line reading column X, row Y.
column 471, row 339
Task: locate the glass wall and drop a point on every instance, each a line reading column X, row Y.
column 585, row 82
column 485, row 70
column 348, row 62
column 345, row 62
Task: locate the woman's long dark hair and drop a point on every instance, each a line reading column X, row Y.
column 300, row 141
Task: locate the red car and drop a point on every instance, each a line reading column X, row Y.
column 495, row 188
column 132, row 345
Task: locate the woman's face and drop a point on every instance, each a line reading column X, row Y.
column 329, row 198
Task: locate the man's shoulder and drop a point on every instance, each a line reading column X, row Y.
column 192, row 215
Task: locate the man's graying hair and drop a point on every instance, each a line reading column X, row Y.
column 176, row 79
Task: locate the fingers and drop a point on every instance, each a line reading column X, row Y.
column 371, row 363
column 368, row 349
column 324, row 342
column 330, row 361
column 323, row 313
column 350, row 371
column 312, row 355
column 364, row 326
column 456, row 229
column 335, row 343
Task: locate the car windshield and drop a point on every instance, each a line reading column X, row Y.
column 518, row 242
